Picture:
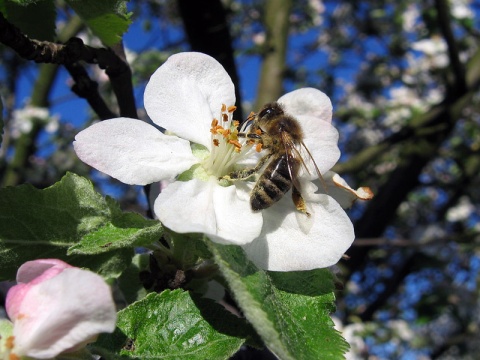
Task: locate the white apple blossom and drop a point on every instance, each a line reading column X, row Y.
column 55, row 308
column 192, row 97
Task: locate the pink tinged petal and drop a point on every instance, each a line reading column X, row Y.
column 186, row 93
column 63, row 312
column 29, row 274
column 37, row 269
column 133, row 151
column 284, row 246
column 221, row 213
column 343, row 193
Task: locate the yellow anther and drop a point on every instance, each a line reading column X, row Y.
column 236, row 123
column 258, row 148
column 224, row 107
column 226, row 133
column 235, row 143
column 214, row 122
column 10, row 342
column 217, row 130
column 231, row 109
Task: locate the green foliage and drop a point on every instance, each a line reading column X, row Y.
column 69, row 218
column 108, row 19
column 34, row 18
column 290, row 311
column 177, row 325
column 70, row 221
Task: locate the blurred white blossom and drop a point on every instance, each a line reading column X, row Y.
column 23, row 119
column 461, row 9
column 461, row 211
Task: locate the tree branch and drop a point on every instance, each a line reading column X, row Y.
column 87, row 89
column 72, row 51
column 443, row 14
column 431, row 130
column 277, row 23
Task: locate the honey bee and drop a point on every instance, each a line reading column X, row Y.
column 282, row 136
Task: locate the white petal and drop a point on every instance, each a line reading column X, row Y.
column 62, row 312
column 313, row 109
column 283, row 246
column 308, row 101
column 221, row 213
column 338, row 188
column 133, row 151
column 186, row 93
column 321, row 139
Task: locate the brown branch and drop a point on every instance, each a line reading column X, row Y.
column 87, row 89
column 74, row 50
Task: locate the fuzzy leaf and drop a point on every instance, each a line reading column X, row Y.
column 46, row 223
column 289, row 310
column 35, row 19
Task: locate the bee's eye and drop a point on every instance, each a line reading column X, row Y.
column 266, row 112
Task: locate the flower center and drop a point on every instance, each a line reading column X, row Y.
column 228, row 148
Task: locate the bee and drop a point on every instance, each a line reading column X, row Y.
column 282, row 136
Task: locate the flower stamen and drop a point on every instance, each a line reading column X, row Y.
column 228, row 149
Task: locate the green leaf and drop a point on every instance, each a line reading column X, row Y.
column 177, row 325
column 289, row 310
column 122, row 230
column 36, row 19
column 46, row 223
column 108, row 19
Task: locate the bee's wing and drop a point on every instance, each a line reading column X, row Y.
column 322, row 180
column 294, row 159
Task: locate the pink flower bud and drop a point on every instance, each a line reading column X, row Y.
column 57, row 308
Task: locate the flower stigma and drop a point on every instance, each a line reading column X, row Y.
column 228, row 148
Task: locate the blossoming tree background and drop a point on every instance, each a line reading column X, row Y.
column 403, row 79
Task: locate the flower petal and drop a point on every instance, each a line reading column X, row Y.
column 338, row 188
column 62, row 312
column 308, row 101
column 38, row 270
column 313, row 109
column 283, row 246
column 31, row 273
column 186, row 93
column 133, row 151
column 221, row 213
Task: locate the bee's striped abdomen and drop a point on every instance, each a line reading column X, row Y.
column 272, row 184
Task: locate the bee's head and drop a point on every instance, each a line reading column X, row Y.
column 270, row 111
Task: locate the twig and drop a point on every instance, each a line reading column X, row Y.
column 87, row 89
column 74, row 50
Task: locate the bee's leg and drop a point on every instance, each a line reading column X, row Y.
column 249, row 135
column 299, row 201
column 246, row 173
